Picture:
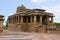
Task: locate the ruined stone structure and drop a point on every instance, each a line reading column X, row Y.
column 1, row 22
column 30, row 20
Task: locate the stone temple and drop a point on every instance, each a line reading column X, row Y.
column 30, row 20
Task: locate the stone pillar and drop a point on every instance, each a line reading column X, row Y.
column 18, row 19
column 52, row 19
column 21, row 19
column 35, row 19
column 27, row 19
column 15, row 18
column 31, row 19
column 47, row 19
column 41, row 19
column 12, row 19
column 35, row 24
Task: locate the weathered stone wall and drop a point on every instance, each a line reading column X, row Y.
column 1, row 23
column 30, row 27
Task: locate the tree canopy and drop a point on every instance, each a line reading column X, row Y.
column 57, row 24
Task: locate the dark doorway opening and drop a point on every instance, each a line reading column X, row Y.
column 44, row 20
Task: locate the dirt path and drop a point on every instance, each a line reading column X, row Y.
column 28, row 36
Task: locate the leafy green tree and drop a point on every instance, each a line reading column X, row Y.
column 57, row 24
column 6, row 27
column 7, row 23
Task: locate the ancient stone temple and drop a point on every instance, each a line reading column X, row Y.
column 30, row 20
column 1, row 23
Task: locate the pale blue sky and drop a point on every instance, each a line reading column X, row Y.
column 8, row 7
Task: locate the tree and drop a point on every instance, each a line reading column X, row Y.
column 6, row 24
column 57, row 24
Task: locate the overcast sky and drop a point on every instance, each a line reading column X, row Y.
column 8, row 7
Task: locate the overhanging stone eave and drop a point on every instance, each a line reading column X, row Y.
column 1, row 16
column 51, row 15
column 39, row 9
